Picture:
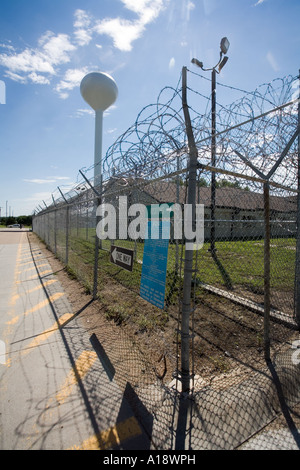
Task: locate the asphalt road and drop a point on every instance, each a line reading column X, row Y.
column 55, row 392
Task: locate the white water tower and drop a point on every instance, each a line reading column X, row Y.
column 100, row 91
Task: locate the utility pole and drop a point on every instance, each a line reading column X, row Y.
column 213, row 162
column 188, row 261
column 224, row 46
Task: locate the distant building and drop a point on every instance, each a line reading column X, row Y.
column 239, row 213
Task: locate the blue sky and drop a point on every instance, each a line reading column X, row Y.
column 47, row 46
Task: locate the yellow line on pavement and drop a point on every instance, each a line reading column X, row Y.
column 33, row 267
column 34, row 289
column 35, row 276
column 45, row 335
column 14, row 299
column 46, row 272
column 80, row 369
column 28, row 258
column 13, row 321
column 45, row 284
column 112, row 436
column 48, row 283
column 21, row 264
column 40, row 305
column 45, row 302
column 6, row 333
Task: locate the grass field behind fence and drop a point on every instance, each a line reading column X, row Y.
column 237, row 264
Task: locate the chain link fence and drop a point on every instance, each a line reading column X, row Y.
column 244, row 283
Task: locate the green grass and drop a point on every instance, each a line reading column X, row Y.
column 241, row 263
column 237, row 263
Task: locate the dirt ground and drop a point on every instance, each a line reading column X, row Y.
column 226, row 339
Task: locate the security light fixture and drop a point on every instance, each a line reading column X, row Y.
column 222, row 63
column 224, row 46
column 197, row 62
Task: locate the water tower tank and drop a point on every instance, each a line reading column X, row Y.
column 99, row 90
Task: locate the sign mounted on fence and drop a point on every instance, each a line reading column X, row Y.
column 154, row 270
column 121, row 257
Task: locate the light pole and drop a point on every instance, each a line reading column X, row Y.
column 224, row 46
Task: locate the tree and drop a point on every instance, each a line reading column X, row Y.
column 202, row 183
column 25, row 220
column 9, row 220
column 227, row 184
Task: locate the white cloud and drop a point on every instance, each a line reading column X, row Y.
column 40, row 79
column 26, row 62
column 82, row 25
column 172, row 63
column 189, row 7
column 72, row 79
column 111, row 131
column 108, row 111
column 7, row 46
column 31, row 63
column 147, row 10
column 47, row 180
column 83, row 37
column 56, row 48
column 82, row 19
column 38, row 181
column 83, row 112
column 124, row 32
column 41, row 64
column 272, row 61
column 15, row 77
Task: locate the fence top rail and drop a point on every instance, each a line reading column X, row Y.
column 255, row 179
column 140, row 184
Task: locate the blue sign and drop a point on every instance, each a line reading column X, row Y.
column 154, row 270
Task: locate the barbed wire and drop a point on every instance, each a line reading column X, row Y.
column 151, row 145
column 258, row 126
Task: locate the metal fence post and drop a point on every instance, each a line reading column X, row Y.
column 67, row 235
column 297, row 261
column 96, row 260
column 97, row 240
column 213, row 163
column 55, row 226
column 67, row 227
column 87, row 217
column 188, row 261
column 267, row 271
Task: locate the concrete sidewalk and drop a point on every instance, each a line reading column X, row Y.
column 260, row 413
column 58, row 388
column 55, row 392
